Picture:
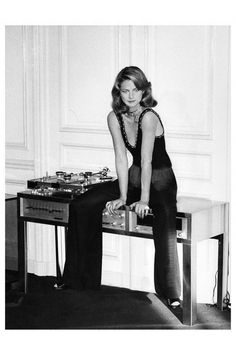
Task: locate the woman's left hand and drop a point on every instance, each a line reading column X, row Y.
column 114, row 205
column 141, row 208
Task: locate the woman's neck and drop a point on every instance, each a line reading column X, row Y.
column 134, row 110
column 134, row 113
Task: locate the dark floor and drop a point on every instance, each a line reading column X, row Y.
column 109, row 308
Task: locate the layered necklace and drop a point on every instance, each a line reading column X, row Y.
column 134, row 114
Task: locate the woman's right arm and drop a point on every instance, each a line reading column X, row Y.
column 121, row 160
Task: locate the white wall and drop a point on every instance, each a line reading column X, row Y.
column 58, row 83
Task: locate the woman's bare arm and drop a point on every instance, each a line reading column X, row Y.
column 150, row 128
column 121, row 160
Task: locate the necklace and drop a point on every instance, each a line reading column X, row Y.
column 134, row 114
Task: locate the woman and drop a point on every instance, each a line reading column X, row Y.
column 148, row 183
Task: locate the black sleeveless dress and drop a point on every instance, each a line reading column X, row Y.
column 160, row 158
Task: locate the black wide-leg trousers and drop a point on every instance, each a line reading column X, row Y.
column 83, row 266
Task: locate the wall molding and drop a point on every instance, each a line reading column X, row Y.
column 19, row 164
column 41, row 99
column 87, row 146
column 15, row 182
column 136, row 35
column 93, row 129
column 25, row 144
column 185, row 135
column 40, row 243
column 192, row 176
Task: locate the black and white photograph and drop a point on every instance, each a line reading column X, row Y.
column 117, row 177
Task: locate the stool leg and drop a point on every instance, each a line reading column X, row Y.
column 223, row 259
column 189, row 277
column 189, row 284
column 220, row 273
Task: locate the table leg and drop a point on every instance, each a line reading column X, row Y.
column 22, row 250
column 58, row 269
column 66, row 232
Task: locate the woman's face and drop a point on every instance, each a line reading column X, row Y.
column 129, row 94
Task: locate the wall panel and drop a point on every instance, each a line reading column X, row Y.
column 82, row 156
column 183, row 78
column 15, row 89
column 18, row 93
column 88, row 70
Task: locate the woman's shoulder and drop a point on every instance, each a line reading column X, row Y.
column 149, row 112
column 150, row 119
column 112, row 118
column 111, row 114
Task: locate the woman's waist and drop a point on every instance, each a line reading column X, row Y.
column 161, row 160
column 156, row 163
column 157, row 174
column 137, row 168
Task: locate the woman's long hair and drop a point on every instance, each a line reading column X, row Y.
column 140, row 81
